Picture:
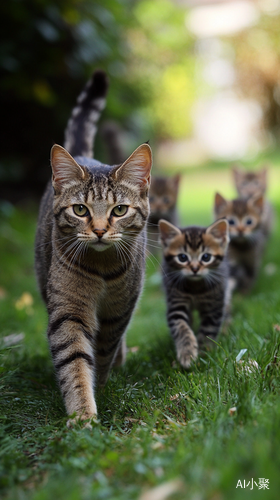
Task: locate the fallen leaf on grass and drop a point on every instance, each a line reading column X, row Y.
column 276, row 327
column 157, row 446
column 270, row 269
column 232, row 411
column 249, row 366
column 135, row 420
column 13, row 339
column 25, row 302
column 133, row 349
column 174, row 397
column 163, row 491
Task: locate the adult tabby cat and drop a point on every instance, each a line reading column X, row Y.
column 249, row 183
column 90, row 253
column 247, row 237
column 195, row 276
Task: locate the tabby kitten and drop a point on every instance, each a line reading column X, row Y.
column 195, row 275
column 90, row 253
column 249, row 183
column 163, row 205
column 247, row 238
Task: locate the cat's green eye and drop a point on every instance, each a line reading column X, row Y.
column 80, row 210
column 120, row 210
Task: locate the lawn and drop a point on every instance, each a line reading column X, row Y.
column 210, row 433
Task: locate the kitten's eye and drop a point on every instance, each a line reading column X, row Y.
column 206, row 257
column 231, row 222
column 182, row 257
column 80, row 210
column 249, row 221
column 120, row 210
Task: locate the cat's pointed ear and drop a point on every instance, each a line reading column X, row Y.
column 167, row 231
column 137, row 168
column 263, row 174
column 176, row 181
column 65, row 168
column 219, row 230
column 257, row 202
column 237, row 172
column 220, row 202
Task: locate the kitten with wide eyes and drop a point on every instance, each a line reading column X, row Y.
column 90, row 253
column 163, row 198
column 250, row 183
column 195, row 276
column 247, row 238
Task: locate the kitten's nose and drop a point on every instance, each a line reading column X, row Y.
column 194, row 269
column 100, row 232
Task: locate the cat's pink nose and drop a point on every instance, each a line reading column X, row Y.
column 99, row 232
column 194, row 269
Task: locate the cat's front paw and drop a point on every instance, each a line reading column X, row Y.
column 84, row 421
column 188, row 352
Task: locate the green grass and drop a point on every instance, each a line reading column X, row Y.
column 157, row 422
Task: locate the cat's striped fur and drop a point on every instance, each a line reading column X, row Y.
column 195, row 276
column 247, row 237
column 90, row 253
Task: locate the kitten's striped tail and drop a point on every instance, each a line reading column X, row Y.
column 82, row 125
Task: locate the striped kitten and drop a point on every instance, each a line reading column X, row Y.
column 249, row 183
column 247, row 238
column 195, row 275
column 90, row 253
column 163, row 205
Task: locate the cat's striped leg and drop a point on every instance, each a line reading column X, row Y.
column 212, row 316
column 111, row 345
column 179, row 320
column 71, row 347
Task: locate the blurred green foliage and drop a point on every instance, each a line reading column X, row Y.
column 48, row 50
column 256, row 53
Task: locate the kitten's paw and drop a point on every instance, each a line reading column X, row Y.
column 83, row 421
column 187, row 353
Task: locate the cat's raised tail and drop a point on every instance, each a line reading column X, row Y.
column 82, row 124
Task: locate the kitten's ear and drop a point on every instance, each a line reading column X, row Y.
column 176, row 181
column 219, row 230
column 263, row 174
column 220, row 202
column 137, row 168
column 237, row 172
column 65, row 168
column 167, row 231
column 257, row 202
